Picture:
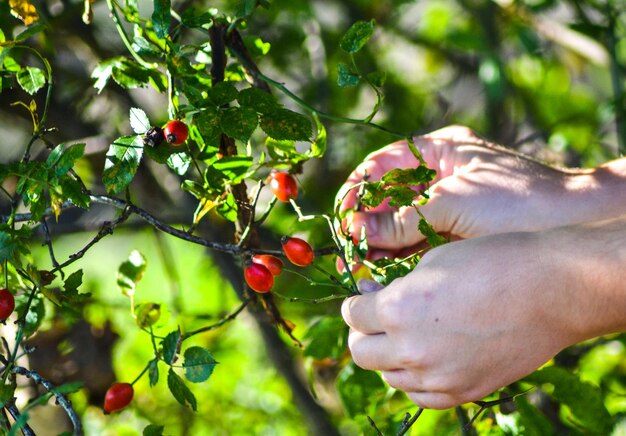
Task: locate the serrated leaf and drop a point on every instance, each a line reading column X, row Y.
column 31, row 79
column 198, row 364
column 161, row 17
column 222, row 93
column 153, row 430
column 34, row 317
column 433, row 238
column 209, row 126
column 584, row 400
column 260, row 101
column 193, row 18
column 139, row 121
column 346, row 77
column 147, row 314
column 153, row 372
column 63, row 157
column 373, row 194
column 179, row 389
column 409, row 176
column 357, row 36
column 171, row 346
column 388, row 270
column 286, row 124
column 327, row 337
column 400, row 196
column 359, row 390
column 122, row 161
column 73, row 191
column 130, row 272
column 239, row 122
column 7, row 394
column 24, row 10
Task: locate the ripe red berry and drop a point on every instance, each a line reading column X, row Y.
column 7, row 304
column 283, row 186
column 258, row 277
column 176, row 132
column 118, row 396
column 298, row 251
column 274, row 264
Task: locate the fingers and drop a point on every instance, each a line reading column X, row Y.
column 360, row 313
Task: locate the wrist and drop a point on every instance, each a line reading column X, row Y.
column 589, row 262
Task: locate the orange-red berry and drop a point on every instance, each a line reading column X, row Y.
column 118, row 396
column 283, row 186
column 176, row 132
column 298, row 251
column 274, row 264
column 258, row 277
column 7, row 304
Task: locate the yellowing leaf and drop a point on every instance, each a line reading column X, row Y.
column 24, row 10
column 204, row 207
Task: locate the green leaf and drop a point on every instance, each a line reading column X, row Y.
column 531, row 420
column 130, row 272
column 193, row 18
column 128, row 74
column 357, row 36
column 234, row 168
column 179, row 162
column 239, row 122
column 388, row 270
column 171, row 346
column 246, row 8
column 286, row 124
column 346, row 77
column 260, row 101
column 584, row 400
column 222, row 93
column 31, row 79
column 400, row 196
column 73, row 282
column 147, row 314
column 36, row 313
column 153, row 430
column 62, row 158
column 122, row 161
column 72, row 190
column 153, row 372
column 319, row 145
column 374, row 194
column 327, row 337
column 359, row 390
column 433, row 238
column 7, row 394
column 209, row 126
column 409, row 176
column 68, row 388
column 179, row 389
column 377, row 78
column 199, row 364
column 228, row 208
column 139, row 121
column 161, row 17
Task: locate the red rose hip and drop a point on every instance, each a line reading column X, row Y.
column 298, row 251
column 274, row 264
column 283, row 186
column 176, row 132
column 7, row 304
column 258, row 277
column 118, row 396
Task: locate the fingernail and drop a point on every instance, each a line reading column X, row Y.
column 367, row 286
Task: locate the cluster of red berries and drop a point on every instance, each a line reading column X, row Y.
column 259, row 274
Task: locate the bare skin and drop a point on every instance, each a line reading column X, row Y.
column 541, row 268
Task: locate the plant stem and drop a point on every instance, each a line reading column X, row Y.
column 124, row 37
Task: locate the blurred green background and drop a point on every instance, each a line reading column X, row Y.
column 544, row 77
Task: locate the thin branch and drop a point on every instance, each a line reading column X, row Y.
column 48, row 242
column 374, row 426
column 15, row 413
column 60, row 398
column 408, row 422
column 218, row 324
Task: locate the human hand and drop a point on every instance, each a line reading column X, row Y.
column 474, row 315
column 480, row 189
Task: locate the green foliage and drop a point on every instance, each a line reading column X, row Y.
column 179, row 389
column 122, row 161
column 357, row 36
column 198, row 364
column 360, row 390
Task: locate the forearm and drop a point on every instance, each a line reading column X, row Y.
column 593, row 256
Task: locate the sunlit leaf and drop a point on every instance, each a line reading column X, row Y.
column 239, row 122
column 130, row 272
column 122, row 161
column 161, row 17
column 286, row 124
column 171, row 346
column 31, row 79
column 24, row 10
column 139, row 121
column 63, row 157
column 359, row 390
column 327, row 337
